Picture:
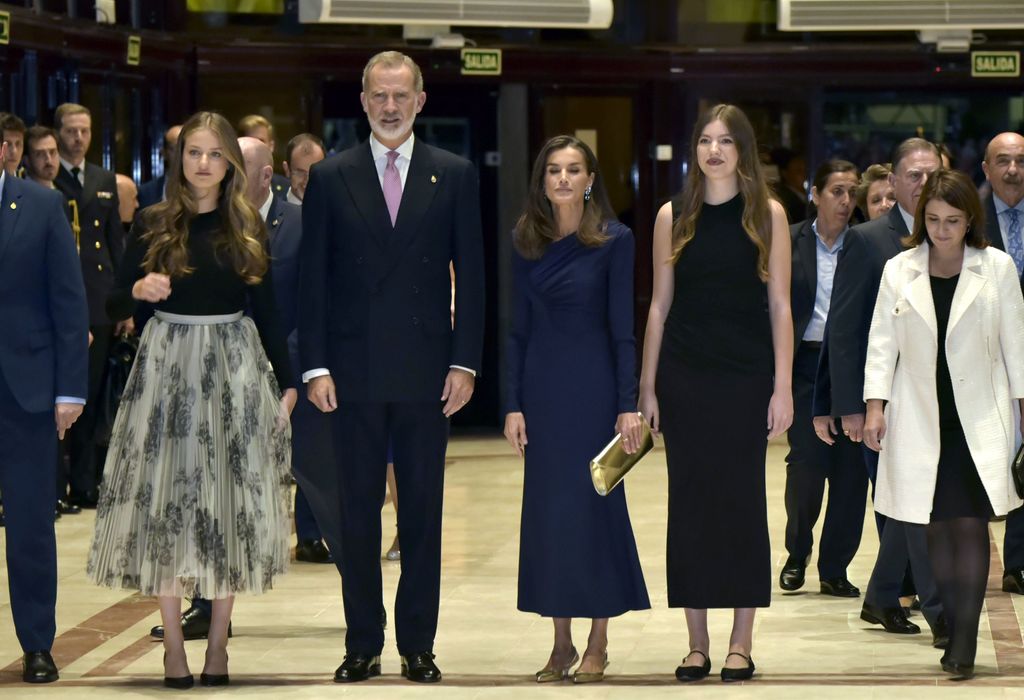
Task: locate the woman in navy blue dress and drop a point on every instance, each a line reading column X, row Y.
column 572, row 386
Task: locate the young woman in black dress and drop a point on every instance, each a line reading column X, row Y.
column 718, row 359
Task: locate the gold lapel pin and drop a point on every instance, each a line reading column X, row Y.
column 274, row 222
column 433, row 179
column 13, row 205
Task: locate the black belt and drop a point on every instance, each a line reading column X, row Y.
column 810, row 345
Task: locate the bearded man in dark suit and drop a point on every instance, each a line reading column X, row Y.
column 381, row 224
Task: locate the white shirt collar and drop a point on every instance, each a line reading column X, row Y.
column 68, row 165
column 291, row 198
column 379, row 150
column 265, row 207
column 3, row 181
column 1002, row 206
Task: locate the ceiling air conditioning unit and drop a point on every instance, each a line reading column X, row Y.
column 565, row 14
column 900, row 15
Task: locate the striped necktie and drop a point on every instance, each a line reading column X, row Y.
column 1015, row 246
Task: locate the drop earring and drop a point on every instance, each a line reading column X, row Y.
column 586, row 194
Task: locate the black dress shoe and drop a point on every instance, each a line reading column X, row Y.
column 687, row 674
column 420, row 668
column 792, row 576
column 1013, row 581
column 357, row 667
column 730, row 675
column 960, row 672
column 65, row 508
column 38, row 667
column 892, row 619
column 940, row 633
column 211, row 680
column 839, row 587
column 313, row 551
column 195, row 624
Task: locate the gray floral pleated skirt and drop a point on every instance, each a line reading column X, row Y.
column 195, row 492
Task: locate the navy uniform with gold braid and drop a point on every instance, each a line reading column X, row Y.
column 101, row 244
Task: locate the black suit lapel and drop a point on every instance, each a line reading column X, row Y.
column 992, row 230
column 92, row 178
column 807, row 248
column 897, row 229
column 10, row 210
column 274, row 218
column 360, row 175
column 68, row 184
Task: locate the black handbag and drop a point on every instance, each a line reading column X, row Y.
column 1017, row 470
column 119, row 366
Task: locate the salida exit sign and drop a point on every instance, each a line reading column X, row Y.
column 481, row 61
column 995, row 64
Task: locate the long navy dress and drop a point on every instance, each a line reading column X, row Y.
column 571, row 371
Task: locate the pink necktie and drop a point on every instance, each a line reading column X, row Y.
column 392, row 186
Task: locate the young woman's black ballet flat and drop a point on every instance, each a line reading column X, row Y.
column 214, row 679
column 687, row 674
column 179, row 683
column 730, row 675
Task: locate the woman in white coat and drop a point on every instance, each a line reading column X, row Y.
column 946, row 351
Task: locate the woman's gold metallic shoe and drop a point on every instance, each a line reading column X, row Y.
column 549, row 674
column 591, row 676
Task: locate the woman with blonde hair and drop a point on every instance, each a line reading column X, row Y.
column 717, row 381
column 195, row 489
column 875, row 194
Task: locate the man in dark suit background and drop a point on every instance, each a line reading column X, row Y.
column 153, row 191
column 817, row 244
column 381, row 223
column 310, row 429
column 101, row 244
column 43, row 379
column 867, row 248
column 1004, row 221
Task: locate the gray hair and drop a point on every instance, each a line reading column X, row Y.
column 393, row 59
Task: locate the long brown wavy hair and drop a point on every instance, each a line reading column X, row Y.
column 757, row 215
column 537, row 229
column 165, row 225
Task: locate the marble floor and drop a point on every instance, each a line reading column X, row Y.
column 806, row 645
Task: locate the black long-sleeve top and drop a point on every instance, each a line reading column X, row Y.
column 212, row 288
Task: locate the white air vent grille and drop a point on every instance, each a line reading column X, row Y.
column 587, row 14
column 899, row 15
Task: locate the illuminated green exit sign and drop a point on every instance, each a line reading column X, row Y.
column 995, row 64
column 481, row 61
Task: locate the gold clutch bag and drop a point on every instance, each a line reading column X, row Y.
column 609, row 467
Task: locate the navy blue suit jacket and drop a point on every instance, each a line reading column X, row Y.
column 284, row 227
column 151, row 192
column 44, row 354
column 374, row 302
column 866, row 249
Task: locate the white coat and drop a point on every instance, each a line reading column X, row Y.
column 985, row 353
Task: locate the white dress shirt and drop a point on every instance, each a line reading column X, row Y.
column 908, row 219
column 291, row 198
